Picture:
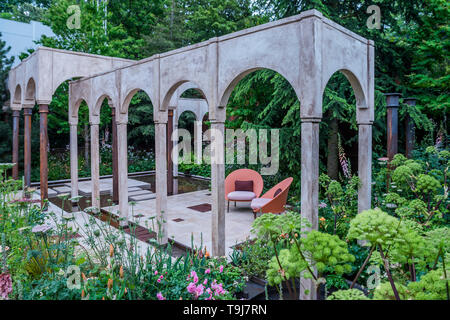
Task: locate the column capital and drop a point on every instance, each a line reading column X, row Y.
column 16, row 113
column 27, row 111
column 368, row 123
column 216, row 121
column 160, row 122
column 47, row 102
column 43, row 108
column 309, row 120
column 392, row 99
column 28, row 106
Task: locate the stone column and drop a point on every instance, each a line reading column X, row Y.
column 309, row 187
column 175, row 149
column 364, row 165
column 392, row 103
column 43, row 123
column 409, row 129
column 198, row 134
column 27, row 113
column 95, row 165
column 218, row 188
column 161, row 179
column 169, row 152
column 122, row 169
column 115, row 165
column 74, row 158
column 15, row 142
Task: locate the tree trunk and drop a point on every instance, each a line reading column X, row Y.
column 332, row 158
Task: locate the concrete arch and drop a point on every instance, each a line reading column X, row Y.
column 361, row 100
column 99, row 102
column 129, row 96
column 223, row 101
column 188, row 111
column 17, row 96
column 30, row 92
column 174, row 93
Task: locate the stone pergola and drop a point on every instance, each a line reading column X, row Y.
column 306, row 49
column 34, row 81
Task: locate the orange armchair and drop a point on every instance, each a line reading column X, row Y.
column 274, row 200
column 242, row 196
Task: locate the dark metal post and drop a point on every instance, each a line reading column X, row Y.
column 15, row 142
column 43, row 122
column 409, row 129
column 392, row 101
column 27, row 112
column 169, row 153
column 115, row 163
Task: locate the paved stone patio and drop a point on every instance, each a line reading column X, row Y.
column 106, row 186
column 184, row 222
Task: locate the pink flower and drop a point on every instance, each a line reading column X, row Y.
column 207, row 271
column 205, row 282
column 156, row 272
column 199, row 291
column 191, row 288
column 209, row 291
column 221, row 269
column 194, row 275
column 5, row 285
column 160, row 296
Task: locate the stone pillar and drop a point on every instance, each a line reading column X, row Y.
column 198, row 134
column 95, row 165
column 161, row 179
column 15, row 142
column 309, row 187
column 43, row 123
column 392, row 103
column 409, row 129
column 74, row 158
column 122, row 169
column 364, row 165
column 218, row 188
column 115, row 165
column 169, row 152
column 27, row 113
column 175, row 150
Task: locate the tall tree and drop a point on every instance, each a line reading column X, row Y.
column 5, row 127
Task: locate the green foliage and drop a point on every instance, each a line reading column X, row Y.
column 349, row 294
column 340, row 204
column 327, row 252
column 253, row 258
column 431, row 286
column 384, row 292
column 374, row 226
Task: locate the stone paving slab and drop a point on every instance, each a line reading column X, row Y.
column 51, row 192
column 132, row 189
column 141, row 197
column 106, row 185
column 138, row 192
column 62, row 189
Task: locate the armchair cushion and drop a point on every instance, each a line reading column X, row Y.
column 277, row 192
column 259, row 202
column 243, row 185
column 241, row 196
